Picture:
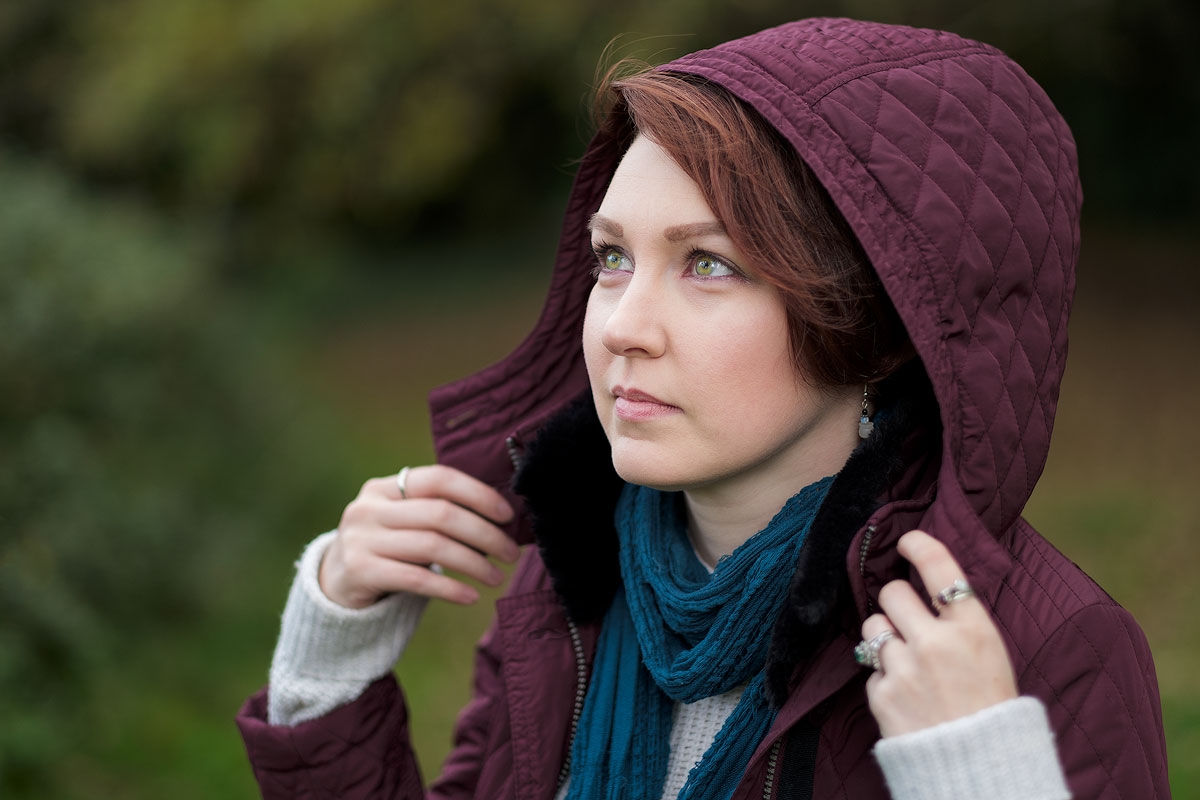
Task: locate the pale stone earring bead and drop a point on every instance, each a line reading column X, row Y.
column 865, row 426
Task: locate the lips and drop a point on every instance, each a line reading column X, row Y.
column 633, row 405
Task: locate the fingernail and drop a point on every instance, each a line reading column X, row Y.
column 504, row 511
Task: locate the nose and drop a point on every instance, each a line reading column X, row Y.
column 634, row 326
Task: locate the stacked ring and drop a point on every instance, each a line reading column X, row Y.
column 866, row 652
column 959, row 590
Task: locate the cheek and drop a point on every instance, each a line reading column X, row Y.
column 747, row 351
column 747, row 366
column 595, row 354
column 596, row 359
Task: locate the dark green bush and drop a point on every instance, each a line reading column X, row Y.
column 129, row 416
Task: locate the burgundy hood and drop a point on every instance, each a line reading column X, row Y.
column 959, row 178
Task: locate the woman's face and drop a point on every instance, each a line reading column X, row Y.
column 688, row 356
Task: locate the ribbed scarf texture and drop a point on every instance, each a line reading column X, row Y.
column 676, row 633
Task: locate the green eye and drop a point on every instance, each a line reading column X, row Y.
column 609, row 259
column 709, row 267
column 612, row 260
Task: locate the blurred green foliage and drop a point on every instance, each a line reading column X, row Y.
column 373, row 118
column 220, row 309
column 122, row 408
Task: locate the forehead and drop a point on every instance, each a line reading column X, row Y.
column 647, row 188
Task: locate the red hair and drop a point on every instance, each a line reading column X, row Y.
column 843, row 328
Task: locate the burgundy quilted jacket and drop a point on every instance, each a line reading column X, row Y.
column 960, row 180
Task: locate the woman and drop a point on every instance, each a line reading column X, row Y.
column 822, row 276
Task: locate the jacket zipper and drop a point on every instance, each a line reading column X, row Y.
column 514, row 451
column 772, row 763
column 580, row 694
column 515, row 454
column 862, row 559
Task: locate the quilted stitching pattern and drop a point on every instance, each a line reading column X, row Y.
column 1004, row 233
column 1090, row 663
column 969, row 153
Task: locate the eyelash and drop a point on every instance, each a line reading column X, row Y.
column 601, row 249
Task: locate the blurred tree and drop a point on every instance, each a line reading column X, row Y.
column 376, row 120
column 127, row 405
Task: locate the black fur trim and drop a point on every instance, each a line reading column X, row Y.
column 820, row 586
column 571, row 489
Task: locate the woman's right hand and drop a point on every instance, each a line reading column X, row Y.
column 386, row 543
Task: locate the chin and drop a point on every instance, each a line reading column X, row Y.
column 656, row 472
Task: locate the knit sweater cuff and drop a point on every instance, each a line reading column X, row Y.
column 1005, row 752
column 328, row 654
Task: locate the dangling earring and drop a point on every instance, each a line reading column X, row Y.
column 865, row 426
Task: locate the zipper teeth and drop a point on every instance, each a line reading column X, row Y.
column 772, row 762
column 580, row 694
column 862, row 550
column 514, row 451
column 862, row 559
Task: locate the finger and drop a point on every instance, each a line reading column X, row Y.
column 398, row 576
column 438, row 480
column 451, row 520
column 428, row 547
column 908, row 613
column 934, row 563
column 876, row 624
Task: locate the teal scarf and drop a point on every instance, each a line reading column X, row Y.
column 675, row 633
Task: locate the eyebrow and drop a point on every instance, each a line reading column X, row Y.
column 606, row 225
column 677, row 233
column 674, row 233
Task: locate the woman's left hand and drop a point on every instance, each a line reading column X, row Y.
column 937, row 667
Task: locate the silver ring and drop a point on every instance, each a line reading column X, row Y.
column 402, row 483
column 959, row 590
column 866, row 652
